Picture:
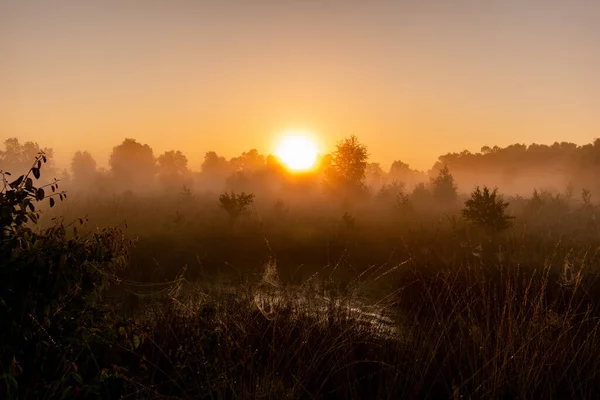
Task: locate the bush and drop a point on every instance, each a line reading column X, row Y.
column 51, row 284
column 235, row 204
column 486, row 209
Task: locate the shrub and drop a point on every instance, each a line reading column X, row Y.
column 486, row 209
column 444, row 187
column 51, row 283
column 235, row 204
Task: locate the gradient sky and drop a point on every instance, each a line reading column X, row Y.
column 412, row 78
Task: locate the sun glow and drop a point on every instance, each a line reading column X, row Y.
column 298, row 151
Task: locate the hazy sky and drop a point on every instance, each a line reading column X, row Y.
column 412, row 78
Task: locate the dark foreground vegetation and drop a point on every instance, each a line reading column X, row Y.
column 354, row 293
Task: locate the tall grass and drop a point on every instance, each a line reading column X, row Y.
column 474, row 329
column 364, row 303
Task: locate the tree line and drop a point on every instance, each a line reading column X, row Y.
column 515, row 168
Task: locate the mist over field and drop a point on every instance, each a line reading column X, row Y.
column 248, row 278
column 293, row 199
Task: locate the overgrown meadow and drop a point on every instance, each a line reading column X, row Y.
column 243, row 280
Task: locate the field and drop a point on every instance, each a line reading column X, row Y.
column 299, row 199
column 385, row 296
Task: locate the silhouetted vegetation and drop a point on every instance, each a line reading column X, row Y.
column 152, row 280
column 484, row 208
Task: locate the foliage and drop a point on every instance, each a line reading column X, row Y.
column 346, row 174
column 443, row 187
column 516, row 162
column 133, row 163
column 83, row 167
column 394, row 306
column 395, row 193
column 235, row 204
column 51, row 284
column 402, row 172
column 215, row 168
column 486, row 209
column 16, row 157
column 374, row 174
column 172, row 169
column 248, row 161
column 586, row 198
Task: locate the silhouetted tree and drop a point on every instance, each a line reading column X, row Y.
column 248, row 161
column 83, row 167
column 346, row 174
column 16, row 157
column 536, row 202
column 374, row 175
column 443, row 186
column 394, row 193
column 486, row 209
column 519, row 165
column 133, row 163
column 235, row 204
column 274, row 167
column 215, row 169
column 401, row 171
column 172, row 169
column 391, row 190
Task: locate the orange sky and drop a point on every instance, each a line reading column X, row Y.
column 413, row 79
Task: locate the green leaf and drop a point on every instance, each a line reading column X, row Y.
column 67, row 392
column 136, row 341
column 10, row 381
column 77, row 378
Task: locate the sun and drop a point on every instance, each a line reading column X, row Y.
column 298, row 151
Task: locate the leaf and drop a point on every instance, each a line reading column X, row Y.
column 52, row 202
column 67, row 392
column 53, row 189
column 31, row 206
column 39, row 164
column 44, row 159
column 40, row 194
column 136, row 341
column 77, row 377
column 36, row 172
column 17, row 182
column 60, row 196
column 10, row 381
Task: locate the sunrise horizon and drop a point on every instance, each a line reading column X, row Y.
column 413, row 81
column 299, row 199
